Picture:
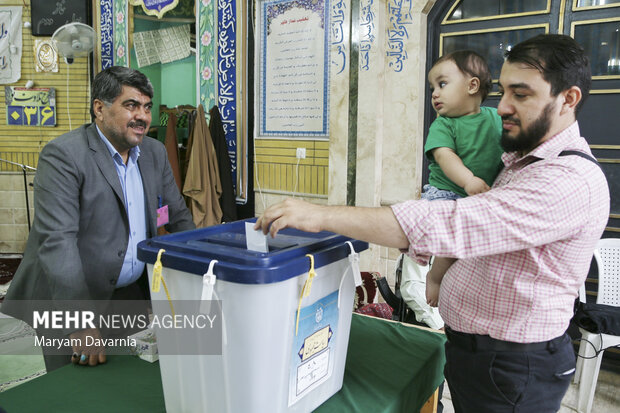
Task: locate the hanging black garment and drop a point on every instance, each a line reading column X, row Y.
column 227, row 200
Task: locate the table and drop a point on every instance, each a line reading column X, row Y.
column 390, row 367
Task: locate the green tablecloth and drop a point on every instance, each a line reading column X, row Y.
column 390, row 368
column 123, row 384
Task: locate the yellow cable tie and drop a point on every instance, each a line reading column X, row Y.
column 158, row 279
column 311, row 275
column 168, row 296
column 157, row 268
column 305, row 291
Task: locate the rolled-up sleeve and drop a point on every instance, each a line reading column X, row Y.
column 413, row 217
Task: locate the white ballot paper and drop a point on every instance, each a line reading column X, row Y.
column 255, row 239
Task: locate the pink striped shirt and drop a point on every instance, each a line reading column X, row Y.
column 524, row 247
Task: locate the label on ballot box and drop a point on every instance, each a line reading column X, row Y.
column 313, row 347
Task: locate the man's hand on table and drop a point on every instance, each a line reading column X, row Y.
column 87, row 355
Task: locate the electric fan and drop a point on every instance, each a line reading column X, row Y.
column 74, row 40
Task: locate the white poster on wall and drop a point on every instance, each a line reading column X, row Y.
column 10, row 44
column 294, row 68
column 162, row 46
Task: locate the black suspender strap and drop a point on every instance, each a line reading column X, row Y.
column 578, row 153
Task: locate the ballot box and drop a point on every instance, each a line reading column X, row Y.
column 285, row 316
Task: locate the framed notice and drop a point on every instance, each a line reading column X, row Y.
column 293, row 68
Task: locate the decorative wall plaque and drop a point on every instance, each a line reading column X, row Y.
column 45, row 56
column 155, row 7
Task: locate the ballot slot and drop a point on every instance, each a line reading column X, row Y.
column 238, row 240
column 195, row 249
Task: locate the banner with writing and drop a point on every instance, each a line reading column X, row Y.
column 106, row 33
column 227, row 78
column 10, row 44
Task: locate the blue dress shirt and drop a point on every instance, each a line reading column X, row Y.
column 133, row 191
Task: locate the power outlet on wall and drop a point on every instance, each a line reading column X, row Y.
column 301, row 153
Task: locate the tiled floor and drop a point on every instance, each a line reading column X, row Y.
column 606, row 397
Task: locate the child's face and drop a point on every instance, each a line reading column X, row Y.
column 452, row 95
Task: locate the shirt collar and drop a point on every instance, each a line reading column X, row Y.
column 134, row 152
column 550, row 148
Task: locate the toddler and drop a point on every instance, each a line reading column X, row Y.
column 463, row 143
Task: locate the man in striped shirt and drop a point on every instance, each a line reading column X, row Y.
column 523, row 248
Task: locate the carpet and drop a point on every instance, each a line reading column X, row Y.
column 20, row 359
column 8, row 266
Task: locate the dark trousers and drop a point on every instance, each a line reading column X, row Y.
column 486, row 380
column 58, row 357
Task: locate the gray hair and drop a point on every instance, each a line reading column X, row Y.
column 108, row 84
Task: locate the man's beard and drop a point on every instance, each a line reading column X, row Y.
column 528, row 139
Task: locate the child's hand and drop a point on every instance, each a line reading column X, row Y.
column 432, row 289
column 475, row 186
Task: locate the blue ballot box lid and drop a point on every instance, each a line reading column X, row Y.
column 192, row 251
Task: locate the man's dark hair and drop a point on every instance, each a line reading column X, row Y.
column 108, row 84
column 560, row 60
column 471, row 63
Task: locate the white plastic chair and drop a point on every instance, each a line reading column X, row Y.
column 607, row 255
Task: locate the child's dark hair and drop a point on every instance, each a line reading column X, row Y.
column 471, row 63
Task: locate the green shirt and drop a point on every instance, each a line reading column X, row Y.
column 474, row 138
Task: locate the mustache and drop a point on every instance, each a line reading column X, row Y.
column 138, row 123
column 511, row 119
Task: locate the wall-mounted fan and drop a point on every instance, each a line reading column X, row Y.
column 74, row 40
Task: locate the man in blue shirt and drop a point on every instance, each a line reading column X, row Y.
column 98, row 192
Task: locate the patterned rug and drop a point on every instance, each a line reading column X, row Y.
column 20, row 359
column 8, row 266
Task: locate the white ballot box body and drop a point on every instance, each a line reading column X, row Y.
column 284, row 333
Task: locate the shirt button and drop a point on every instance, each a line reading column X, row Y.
column 120, row 253
column 113, row 281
